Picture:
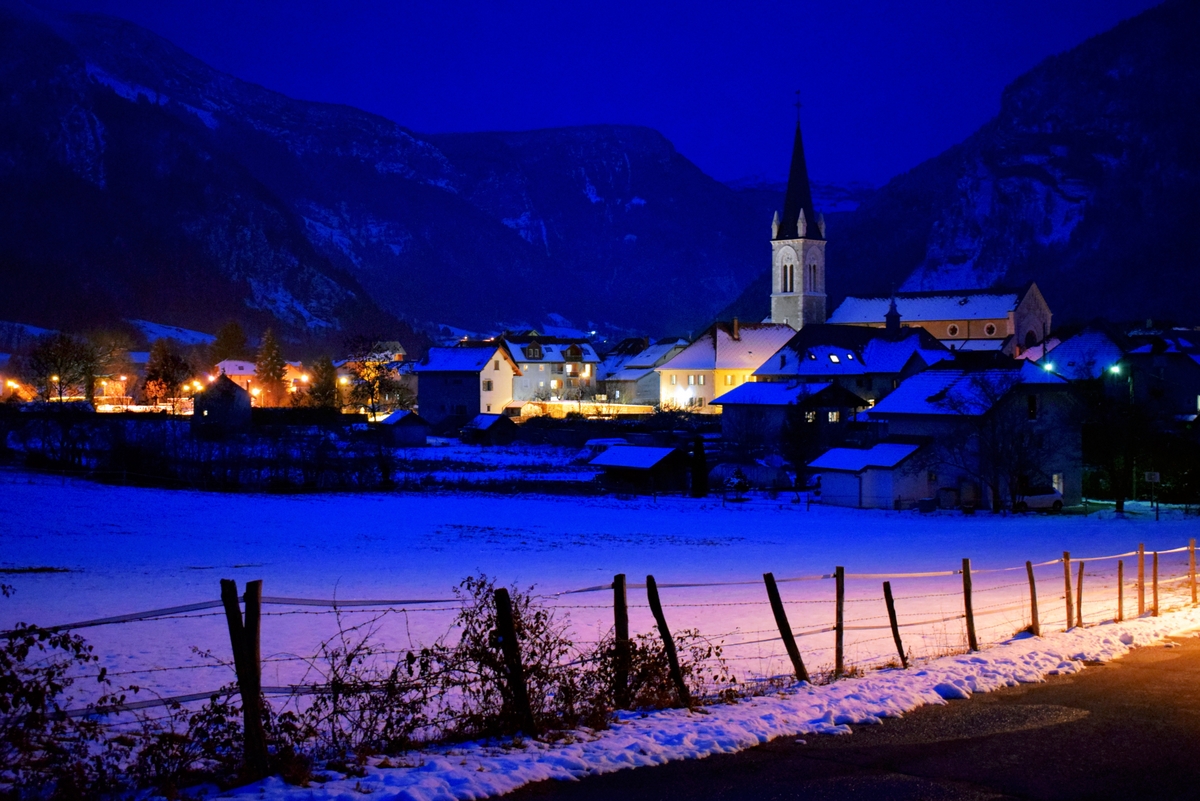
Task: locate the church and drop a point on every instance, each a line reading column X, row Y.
column 996, row 319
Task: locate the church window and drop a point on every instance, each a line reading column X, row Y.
column 952, row 330
column 1030, row 339
column 990, row 329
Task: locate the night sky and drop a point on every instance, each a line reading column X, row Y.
column 885, row 85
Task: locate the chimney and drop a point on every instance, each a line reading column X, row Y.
column 737, row 330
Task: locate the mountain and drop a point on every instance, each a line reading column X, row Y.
column 138, row 182
column 1087, row 181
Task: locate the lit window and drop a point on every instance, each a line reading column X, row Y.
column 850, row 357
column 700, row 380
column 810, row 417
column 812, row 356
column 553, row 383
column 674, row 380
column 729, row 380
column 833, row 357
column 691, row 380
column 835, row 416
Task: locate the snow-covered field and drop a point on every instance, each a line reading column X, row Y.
column 134, row 549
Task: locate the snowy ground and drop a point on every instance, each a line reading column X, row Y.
column 134, row 549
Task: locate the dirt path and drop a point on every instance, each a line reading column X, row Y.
column 1126, row 730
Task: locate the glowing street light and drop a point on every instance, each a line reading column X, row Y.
column 1115, row 369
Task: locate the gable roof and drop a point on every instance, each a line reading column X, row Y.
column 403, row 417
column 462, row 359
column 482, row 422
column 553, row 349
column 1087, row 354
column 716, row 349
column 772, row 393
column 885, row 455
column 812, row 350
column 959, row 392
column 920, row 307
column 653, row 355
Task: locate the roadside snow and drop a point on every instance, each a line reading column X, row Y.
column 478, row 770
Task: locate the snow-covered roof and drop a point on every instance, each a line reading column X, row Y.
column 927, row 307
column 403, row 417
column 631, row 374
column 974, row 344
column 236, row 367
column 769, row 393
column 638, row 456
column 482, row 422
column 959, row 392
column 829, row 351
column 716, row 349
column 655, row 354
column 552, row 352
column 457, row 360
column 1086, row 355
column 885, row 454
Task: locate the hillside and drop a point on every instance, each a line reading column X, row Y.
column 1087, row 181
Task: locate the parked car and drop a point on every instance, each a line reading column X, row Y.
column 1039, row 498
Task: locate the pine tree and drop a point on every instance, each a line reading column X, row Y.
column 269, row 369
column 323, row 385
column 230, row 343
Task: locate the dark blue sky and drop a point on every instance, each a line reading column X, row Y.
column 885, row 84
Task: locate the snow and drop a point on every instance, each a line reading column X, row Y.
column 155, row 331
column 855, row 459
column 637, row 456
column 129, row 549
column 717, row 349
column 457, row 359
column 948, row 306
column 769, row 393
column 959, row 392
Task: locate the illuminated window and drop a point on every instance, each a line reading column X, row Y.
column 810, row 417
column 674, row 380
column 835, row 416
column 833, row 357
column 691, row 380
column 700, row 380
column 729, row 380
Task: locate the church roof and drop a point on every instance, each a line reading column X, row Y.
column 799, row 197
column 919, row 307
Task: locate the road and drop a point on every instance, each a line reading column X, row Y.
column 1126, row 730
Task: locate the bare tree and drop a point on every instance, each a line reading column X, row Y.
column 61, row 366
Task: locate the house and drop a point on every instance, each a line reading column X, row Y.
column 460, row 382
column 489, row 429
column 724, row 356
column 223, row 408
column 1163, row 374
column 636, row 381
column 1005, row 320
column 868, row 362
column 551, row 368
column 759, row 416
column 990, row 426
column 637, row 468
column 883, row 476
column 407, row 428
column 619, row 356
column 238, row 371
column 1087, row 354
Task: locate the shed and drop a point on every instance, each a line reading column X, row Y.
column 638, row 468
column 222, row 408
column 489, row 429
column 408, row 429
column 870, row 478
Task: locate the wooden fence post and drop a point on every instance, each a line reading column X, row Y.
column 1035, row 624
column 620, row 642
column 1067, row 582
column 839, row 624
column 506, row 633
column 1155, row 582
column 1141, row 579
column 968, row 606
column 685, row 698
column 1079, row 598
column 785, row 628
column 891, row 610
column 247, row 663
column 1192, row 568
column 1120, row 590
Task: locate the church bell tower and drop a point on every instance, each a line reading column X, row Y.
column 798, row 251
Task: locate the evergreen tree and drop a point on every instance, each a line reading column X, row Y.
column 323, row 385
column 230, row 343
column 269, row 369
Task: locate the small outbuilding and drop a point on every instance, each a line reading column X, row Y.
column 638, row 468
column 223, row 408
column 489, row 429
column 407, row 428
column 880, row 477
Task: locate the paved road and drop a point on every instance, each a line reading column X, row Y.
column 1126, row 730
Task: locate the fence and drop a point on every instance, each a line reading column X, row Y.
column 815, row 627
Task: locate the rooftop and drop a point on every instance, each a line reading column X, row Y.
column 920, row 307
column 716, row 349
column 635, row 456
column 885, row 454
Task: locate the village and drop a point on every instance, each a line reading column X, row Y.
column 930, row 400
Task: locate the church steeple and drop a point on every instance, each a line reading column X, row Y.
column 798, row 200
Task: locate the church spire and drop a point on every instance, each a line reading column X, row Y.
column 798, row 199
